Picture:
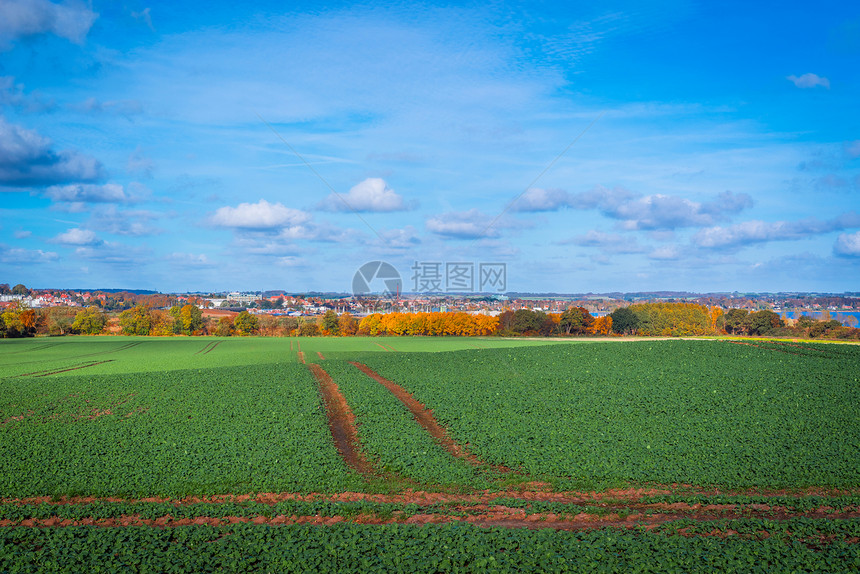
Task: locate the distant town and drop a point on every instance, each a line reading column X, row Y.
column 274, row 302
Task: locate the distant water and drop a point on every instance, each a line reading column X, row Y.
column 841, row 316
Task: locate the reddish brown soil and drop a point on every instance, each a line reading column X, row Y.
column 291, row 346
column 535, row 491
column 219, row 313
column 301, row 357
column 320, row 356
column 424, row 417
column 208, row 348
column 488, row 515
column 384, row 348
column 341, row 421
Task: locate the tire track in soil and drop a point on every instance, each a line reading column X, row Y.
column 301, row 357
column 341, row 422
column 424, row 417
column 117, row 350
column 205, row 347
column 212, row 348
column 58, row 371
column 320, row 356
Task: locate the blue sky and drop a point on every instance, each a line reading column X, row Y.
column 589, row 146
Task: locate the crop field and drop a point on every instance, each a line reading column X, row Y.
column 428, row 455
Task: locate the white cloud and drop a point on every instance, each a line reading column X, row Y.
column 190, row 259
column 400, row 238
column 87, row 193
column 470, row 224
column 370, row 195
column 659, row 211
column 27, row 158
column 848, row 244
column 20, row 18
column 665, row 253
column 536, row 199
column 78, row 236
column 132, row 223
column 18, row 256
column 259, row 216
column 809, row 81
column 749, row 232
column 606, row 242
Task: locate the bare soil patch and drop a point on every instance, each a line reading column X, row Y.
column 341, row 421
column 320, row 355
column 301, row 356
column 219, row 313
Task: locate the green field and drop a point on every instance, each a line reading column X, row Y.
column 114, row 355
column 140, row 416
column 122, row 418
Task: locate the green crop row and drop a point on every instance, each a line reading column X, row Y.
column 402, row 548
column 392, row 438
column 170, row 433
column 790, row 503
column 152, row 510
column 690, row 412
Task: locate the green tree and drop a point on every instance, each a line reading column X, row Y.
column 190, row 319
column 526, row 320
column 224, row 328
column 288, row 325
column 135, row 321
column 89, row 321
column 624, row 321
column 245, row 323
column 735, row 322
column 576, row 321
column 762, row 322
column 19, row 289
column 330, row 323
column 309, row 328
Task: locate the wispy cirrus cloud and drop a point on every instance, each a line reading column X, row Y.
column 650, row 212
column 87, row 193
column 809, row 81
column 21, row 256
column 12, row 94
column 606, row 242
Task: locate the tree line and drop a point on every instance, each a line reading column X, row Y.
column 644, row 319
